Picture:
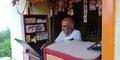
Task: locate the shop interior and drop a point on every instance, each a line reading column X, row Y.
column 87, row 15
column 87, row 19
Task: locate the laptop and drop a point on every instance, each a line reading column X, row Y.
column 26, row 46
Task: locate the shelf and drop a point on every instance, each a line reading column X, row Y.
column 36, row 30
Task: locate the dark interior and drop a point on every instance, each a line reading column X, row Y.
column 90, row 31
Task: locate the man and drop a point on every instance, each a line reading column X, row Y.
column 68, row 32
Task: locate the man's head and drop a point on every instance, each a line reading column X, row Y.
column 67, row 25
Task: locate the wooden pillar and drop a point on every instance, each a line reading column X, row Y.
column 108, row 18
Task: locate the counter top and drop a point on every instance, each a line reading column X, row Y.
column 77, row 49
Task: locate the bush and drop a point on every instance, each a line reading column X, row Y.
column 5, row 45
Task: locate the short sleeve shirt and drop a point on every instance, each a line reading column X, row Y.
column 75, row 35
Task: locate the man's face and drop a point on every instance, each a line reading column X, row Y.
column 66, row 26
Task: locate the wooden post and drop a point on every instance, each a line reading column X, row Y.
column 108, row 18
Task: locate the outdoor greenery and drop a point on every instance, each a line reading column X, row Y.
column 5, row 45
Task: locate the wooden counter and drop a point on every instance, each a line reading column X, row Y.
column 70, row 50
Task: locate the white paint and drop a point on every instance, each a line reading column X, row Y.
column 16, row 29
column 16, row 32
column 117, row 31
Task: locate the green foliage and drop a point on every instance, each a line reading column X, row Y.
column 4, row 34
column 5, row 45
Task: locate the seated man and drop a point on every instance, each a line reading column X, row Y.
column 68, row 32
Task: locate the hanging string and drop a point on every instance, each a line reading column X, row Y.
column 29, row 7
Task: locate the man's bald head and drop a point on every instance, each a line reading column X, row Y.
column 68, row 20
column 67, row 25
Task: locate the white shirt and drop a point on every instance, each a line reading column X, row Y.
column 75, row 35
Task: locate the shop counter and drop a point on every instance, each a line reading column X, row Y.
column 71, row 50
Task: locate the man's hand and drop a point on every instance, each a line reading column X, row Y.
column 43, row 46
